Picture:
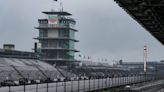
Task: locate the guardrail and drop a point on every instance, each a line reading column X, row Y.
column 79, row 85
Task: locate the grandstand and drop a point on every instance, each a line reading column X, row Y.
column 85, row 72
column 137, row 67
column 24, row 67
column 17, row 67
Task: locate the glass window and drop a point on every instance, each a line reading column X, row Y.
column 44, row 44
column 50, row 54
column 72, row 34
column 52, row 43
column 70, row 55
column 72, row 44
column 43, row 33
column 64, row 44
column 63, row 33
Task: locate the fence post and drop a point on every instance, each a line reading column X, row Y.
column 118, row 80
column 89, row 84
column 102, row 82
column 71, row 86
column 94, row 84
column 84, row 84
column 78, row 85
column 9, row 88
column 65, row 85
column 47, row 86
column 56, row 86
column 98, row 83
column 109, row 82
column 106, row 82
column 112, row 82
column 36, row 87
column 24, row 86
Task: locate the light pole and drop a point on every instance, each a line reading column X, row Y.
column 145, row 60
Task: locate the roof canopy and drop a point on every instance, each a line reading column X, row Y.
column 58, row 13
column 149, row 13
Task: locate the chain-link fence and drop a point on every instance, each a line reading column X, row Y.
column 78, row 85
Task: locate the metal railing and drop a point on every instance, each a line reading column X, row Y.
column 54, row 26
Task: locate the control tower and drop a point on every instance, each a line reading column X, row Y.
column 57, row 38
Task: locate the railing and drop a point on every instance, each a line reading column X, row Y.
column 54, row 26
column 78, row 85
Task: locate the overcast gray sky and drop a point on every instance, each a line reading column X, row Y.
column 105, row 30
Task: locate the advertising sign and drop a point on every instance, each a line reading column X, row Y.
column 52, row 19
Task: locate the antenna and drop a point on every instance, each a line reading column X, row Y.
column 53, row 9
column 55, row 0
column 61, row 6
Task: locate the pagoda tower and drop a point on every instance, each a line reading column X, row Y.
column 57, row 38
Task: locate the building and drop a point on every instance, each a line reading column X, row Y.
column 57, row 38
column 17, row 54
column 9, row 46
column 9, row 51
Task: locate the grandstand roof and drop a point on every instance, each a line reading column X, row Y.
column 148, row 13
column 58, row 13
column 16, row 68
